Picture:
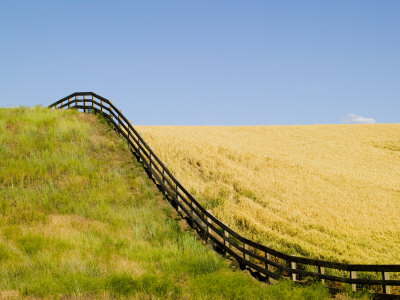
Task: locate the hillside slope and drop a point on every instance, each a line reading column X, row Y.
column 79, row 218
column 321, row 191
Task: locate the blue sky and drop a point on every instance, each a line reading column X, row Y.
column 208, row 62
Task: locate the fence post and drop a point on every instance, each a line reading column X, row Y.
column 129, row 126
column 267, row 265
column 138, row 149
column 321, row 270
column 84, row 104
column 386, row 288
column 111, row 109
column 101, row 108
column 293, row 266
column 69, row 102
column 353, row 275
column 178, row 199
column 163, row 176
column 151, row 165
column 163, row 181
column 246, row 247
column 119, row 119
column 226, row 236
column 208, row 227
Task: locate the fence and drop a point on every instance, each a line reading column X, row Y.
column 268, row 263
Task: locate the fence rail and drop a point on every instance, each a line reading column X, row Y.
column 270, row 263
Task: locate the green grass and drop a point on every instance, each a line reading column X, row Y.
column 79, row 218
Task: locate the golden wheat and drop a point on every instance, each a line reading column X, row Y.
column 322, row 191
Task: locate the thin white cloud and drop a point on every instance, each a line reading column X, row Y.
column 355, row 119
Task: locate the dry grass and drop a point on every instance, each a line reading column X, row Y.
column 324, row 191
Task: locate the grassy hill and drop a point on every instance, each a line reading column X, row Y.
column 321, row 191
column 80, row 219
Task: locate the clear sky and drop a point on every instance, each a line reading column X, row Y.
column 208, row 62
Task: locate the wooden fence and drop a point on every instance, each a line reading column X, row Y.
column 268, row 263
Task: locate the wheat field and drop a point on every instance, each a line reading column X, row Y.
column 321, row 191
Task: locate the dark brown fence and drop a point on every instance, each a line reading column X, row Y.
column 268, row 263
